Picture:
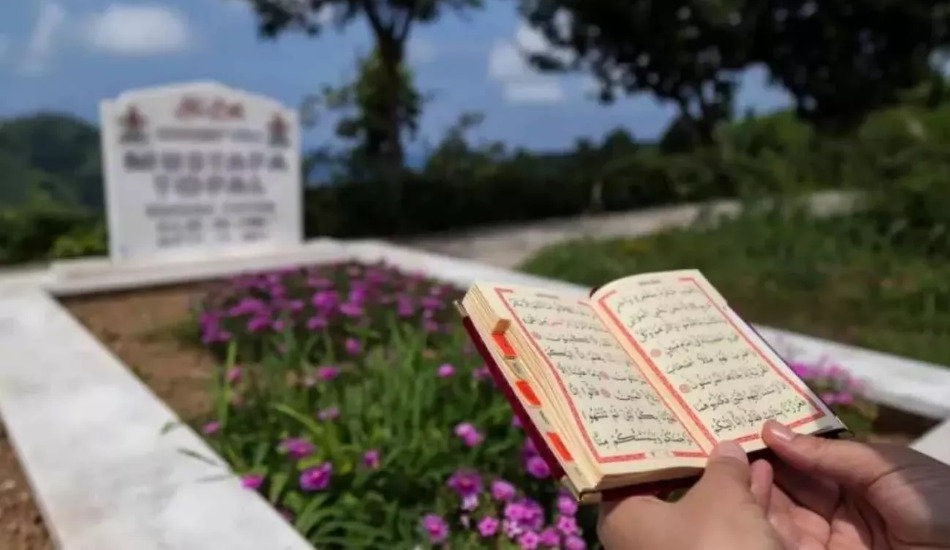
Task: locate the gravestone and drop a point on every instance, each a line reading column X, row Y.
column 199, row 169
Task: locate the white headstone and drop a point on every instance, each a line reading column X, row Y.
column 199, row 169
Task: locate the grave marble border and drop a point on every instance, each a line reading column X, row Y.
column 88, row 432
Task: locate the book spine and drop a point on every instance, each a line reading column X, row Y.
column 540, row 442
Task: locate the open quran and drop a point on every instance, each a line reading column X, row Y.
column 629, row 389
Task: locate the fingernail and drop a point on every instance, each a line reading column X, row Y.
column 779, row 430
column 730, row 449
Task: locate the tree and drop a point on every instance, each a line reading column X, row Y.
column 840, row 60
column 364, row 106
column 684, row 51
column 390, row 21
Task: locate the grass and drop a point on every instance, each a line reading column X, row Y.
column 832, row 278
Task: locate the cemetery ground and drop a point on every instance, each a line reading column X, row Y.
column 345, row 393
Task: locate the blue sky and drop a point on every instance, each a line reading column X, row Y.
column 66, row 55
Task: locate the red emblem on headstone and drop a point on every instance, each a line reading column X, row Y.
column 133, row 126
column 278, row 129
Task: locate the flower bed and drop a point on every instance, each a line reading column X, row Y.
column 348, row 397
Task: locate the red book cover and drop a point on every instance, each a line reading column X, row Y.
column 539, row 441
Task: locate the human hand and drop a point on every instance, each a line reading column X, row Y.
column 847, row 495
column 725, row 509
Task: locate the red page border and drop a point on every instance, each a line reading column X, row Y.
column 676, row 395
column 577, row 419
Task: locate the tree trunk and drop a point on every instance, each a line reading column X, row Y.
column 391, row 53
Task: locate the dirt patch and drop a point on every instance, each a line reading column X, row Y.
column 144, row 329
column 21, row 526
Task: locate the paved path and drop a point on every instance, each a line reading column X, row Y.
column 507, row 246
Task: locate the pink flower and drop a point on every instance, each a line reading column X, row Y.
column 574, row 542
column 317, row 322
column 317, row 478
column 468, row 434
column 844, row 398
column 371, row 459
column 211, row 428
column 502, row 491
column 329, row 413
column 550, row 537
column 830, row 398
column 516, row 422
column 481, row 373
column 328, row 373
column 252, row 481
column 297, row 447
column 234, row 374
column 566, row 505
column 436, row 528
column 350, row 309
column 567, row 525
column 488, row 526
column 529, row 540
column 538, row 468
column 466, row 482
column 446, row 370
column 353, row 346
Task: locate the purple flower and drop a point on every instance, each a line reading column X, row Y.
column 279, row 325
column 567, row 525
column 502, row 491
column 297, row 447
column 258, row 323
column 211, row 428
column 574, row 542
column 481, row 373
column 317, row 322
column 844, row 398
column 327, row 373
column 538, row 468
column 430, row 326
column 550, row 537
column 488, row 526
column 516, row 422
column 468, row 434
column 431, row 303
column 371, row 459
column 436, row 528
column 252, row 481
column 234, row 374
column 802, row 370
column 566, row 505
column 466, row 482
column 324, row 300
column 350, row 309
column 353, row 346
column 529, row 540
column 469, row 503
column 317, row 478
column 329, row 413
column 446, row 370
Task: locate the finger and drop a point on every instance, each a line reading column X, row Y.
column 727, row 476
column 816, row 493
column 634, row 522
column 846, row 462
column 761, row 483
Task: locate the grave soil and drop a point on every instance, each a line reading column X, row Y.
column 143, row 329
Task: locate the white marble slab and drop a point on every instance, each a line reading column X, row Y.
column 89, row 435
column 936, row 442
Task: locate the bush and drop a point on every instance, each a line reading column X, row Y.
column 31, row 233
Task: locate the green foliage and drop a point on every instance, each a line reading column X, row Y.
column 35, row 232
column 81, row 240
column 836, row 278
column 370, row 401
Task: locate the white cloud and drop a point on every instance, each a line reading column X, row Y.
column 42, row 42
column 137, row 30
column 520, row 82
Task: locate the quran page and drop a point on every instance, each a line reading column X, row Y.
column 619, row 414
column 719, row 371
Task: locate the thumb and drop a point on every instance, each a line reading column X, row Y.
column 846, row 462
column 727, row 475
